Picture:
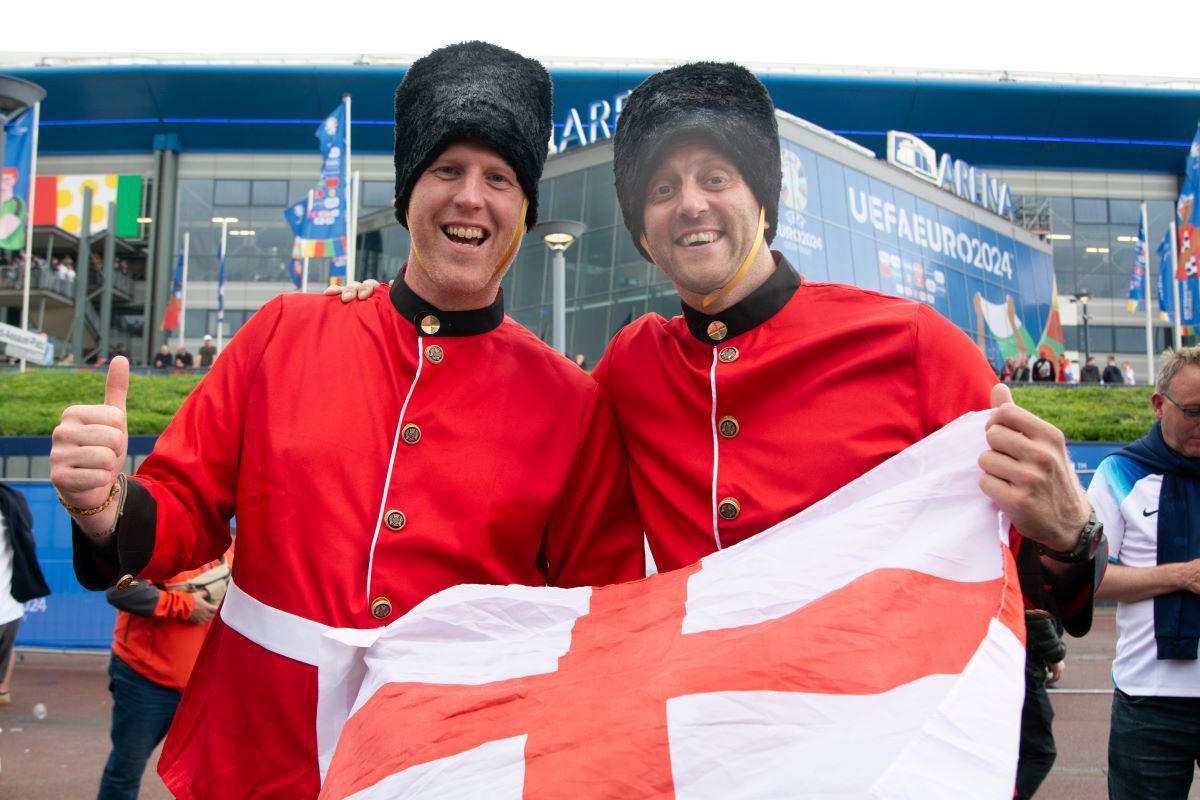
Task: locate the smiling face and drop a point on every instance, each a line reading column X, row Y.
column 701, row 219
column 1179, row 432
column 462, row 214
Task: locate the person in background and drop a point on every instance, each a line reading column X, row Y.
column 1090, row 372
column 183, row 359
column 1007, row 371
column 1127, row 374
column 1066, row 373
column 1044, row 662
column 207, row 352
column 1148, row 497
column 1021, row 373
column 1112, row 373
column 162, row 359
column 21, row 577
column 160, row 628
column 1043, row 369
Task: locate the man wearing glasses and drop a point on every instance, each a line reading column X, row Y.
column 1148, row 497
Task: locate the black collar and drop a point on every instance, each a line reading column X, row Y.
column 750, row 312
column 429, row 320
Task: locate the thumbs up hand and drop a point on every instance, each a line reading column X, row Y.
column 89, row 449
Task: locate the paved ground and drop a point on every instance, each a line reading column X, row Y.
column 60, row 757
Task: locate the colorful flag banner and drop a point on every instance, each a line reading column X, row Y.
column 170, row 320
column 1166, row 295
column 1137, row 280
column 60, row 202
column 1052, row 340
column 868, row 647
column 1186, row 213
column 14, row 181
column 337, row 271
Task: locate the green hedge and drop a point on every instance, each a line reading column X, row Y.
column 31, row 404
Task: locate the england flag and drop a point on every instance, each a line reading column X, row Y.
column 869, row 647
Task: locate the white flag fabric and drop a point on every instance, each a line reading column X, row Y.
column 869, row 647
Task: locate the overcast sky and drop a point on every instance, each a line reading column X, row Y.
column 1059, row 36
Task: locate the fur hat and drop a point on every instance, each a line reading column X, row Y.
column 723, row 104
column 473, row 90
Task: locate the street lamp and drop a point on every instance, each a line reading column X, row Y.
column 1082, row 297
column 559, row 234
column 224, row 222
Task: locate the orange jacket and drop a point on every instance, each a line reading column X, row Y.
column 153, row 634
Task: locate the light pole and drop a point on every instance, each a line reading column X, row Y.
column 1082, row 298
column 559, row 234
column 224, row 222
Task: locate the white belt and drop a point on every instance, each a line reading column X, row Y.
column 278, row 631
column 303, row 640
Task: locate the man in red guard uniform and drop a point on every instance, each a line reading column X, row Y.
column 490, row 458
column 770, row 392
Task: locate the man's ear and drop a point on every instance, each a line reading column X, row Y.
column 1157, row 401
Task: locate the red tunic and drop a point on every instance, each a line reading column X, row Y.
column 809, row 388
column 517, row 476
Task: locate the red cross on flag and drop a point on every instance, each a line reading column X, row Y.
column 868, row 647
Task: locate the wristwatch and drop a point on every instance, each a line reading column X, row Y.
column 1085, row 549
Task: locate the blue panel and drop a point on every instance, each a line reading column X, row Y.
column 71, row 616
column 866, row 264
column 839, row 258
column 832, row 183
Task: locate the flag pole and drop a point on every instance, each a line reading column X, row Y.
column 304, row 270
column 221, row 288
column 351, row 206
column 1178, row 338
column 37, row 112
column 187, row 239
column 352, row 244
column 1145, row 245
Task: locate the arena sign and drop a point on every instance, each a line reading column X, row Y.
column 913, row 155
column 601, row 122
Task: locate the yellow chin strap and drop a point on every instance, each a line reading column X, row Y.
column 504, row 258
column 713, row 296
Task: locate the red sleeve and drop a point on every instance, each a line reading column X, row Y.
column 174, row 605
column 594, row 536
column 192, row 475
column 953, row 377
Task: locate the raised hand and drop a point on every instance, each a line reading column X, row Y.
column 1028, row 474
column 89, row 448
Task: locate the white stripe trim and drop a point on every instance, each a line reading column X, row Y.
column 387, row 481
column 279, row 631
column 712, row 380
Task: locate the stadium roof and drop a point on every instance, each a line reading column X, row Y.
column 989, row 119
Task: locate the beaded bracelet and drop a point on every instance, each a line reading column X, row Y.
column 75, row 511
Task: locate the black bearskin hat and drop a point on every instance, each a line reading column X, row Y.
column 473, row 90
column 723, row 104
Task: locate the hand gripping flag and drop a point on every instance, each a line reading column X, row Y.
column 868, row 647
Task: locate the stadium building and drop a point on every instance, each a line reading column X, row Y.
column 999, row 199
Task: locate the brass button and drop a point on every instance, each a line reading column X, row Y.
column 729, row 508
column 126, row 582
column 728, row 354
column 434, row 354
column 394, row 519
column 728, row 426
column 410, row 433
column 430, row 324
column 717, row 330
column 381, row 608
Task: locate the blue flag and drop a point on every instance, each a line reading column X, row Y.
column 295, row 215
column 327, row 218
column 1137, row 281
column 14, row 181
column 1166, row 294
